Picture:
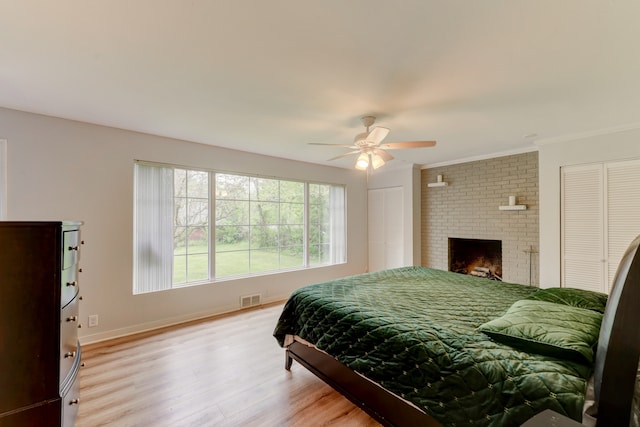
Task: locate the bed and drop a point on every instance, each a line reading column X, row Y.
column 418, row 346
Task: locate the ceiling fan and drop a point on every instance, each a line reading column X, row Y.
column 370, row 148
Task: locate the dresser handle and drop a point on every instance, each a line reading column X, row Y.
column 73, row 248
column 72, row 318
column 72, row 283
column 70, row 354
column 74, row 402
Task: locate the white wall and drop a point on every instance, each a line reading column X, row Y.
column 65, row 170
column 598, row 148
column 407, row 177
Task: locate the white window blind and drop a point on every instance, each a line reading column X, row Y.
column 153, row 228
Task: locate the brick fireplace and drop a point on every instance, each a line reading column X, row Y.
column 467, row 208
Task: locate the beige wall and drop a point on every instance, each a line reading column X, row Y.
column 468, row 208
column 60, row 169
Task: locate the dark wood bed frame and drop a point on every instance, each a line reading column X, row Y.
column 615, row 369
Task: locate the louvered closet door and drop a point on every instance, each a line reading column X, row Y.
column 623, row 211
column 583, row 227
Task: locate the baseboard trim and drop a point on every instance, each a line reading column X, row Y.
column 173, row 321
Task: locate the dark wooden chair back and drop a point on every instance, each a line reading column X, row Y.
column 619, row 344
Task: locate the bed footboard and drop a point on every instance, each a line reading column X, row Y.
column 387, row 408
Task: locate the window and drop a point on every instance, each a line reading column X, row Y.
column 194, row 227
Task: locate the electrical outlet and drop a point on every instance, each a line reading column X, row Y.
column 93, row 320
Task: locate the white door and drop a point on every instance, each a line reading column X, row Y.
column 385, row 228
column 623, row 212
column 583, row 227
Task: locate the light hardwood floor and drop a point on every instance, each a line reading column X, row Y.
column 222, row 371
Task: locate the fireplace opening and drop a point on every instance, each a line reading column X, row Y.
column 476, row 257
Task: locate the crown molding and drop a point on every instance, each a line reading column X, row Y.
column 588, row 134
column 481, row 157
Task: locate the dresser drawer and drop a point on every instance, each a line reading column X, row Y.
column 70, row 248
column 69, row 348
column 69, row 285
column 71, row 402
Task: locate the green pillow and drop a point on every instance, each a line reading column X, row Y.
column 547, row 328
column 575, row 297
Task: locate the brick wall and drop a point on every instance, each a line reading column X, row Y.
column 468, row 208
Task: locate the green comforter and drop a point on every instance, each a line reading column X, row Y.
column 413, row 331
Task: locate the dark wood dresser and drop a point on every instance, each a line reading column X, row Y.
column 39, row 348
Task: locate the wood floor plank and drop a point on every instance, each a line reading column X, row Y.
column 222, row 371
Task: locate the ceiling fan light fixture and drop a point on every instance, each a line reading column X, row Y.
column 363, row 161
column 376, row 161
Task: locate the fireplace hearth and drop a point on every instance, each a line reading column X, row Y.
column 476, row 257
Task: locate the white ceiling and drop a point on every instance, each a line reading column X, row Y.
column 271, row 76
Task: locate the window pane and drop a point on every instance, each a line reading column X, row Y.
column 291, row 191
column 179, row 269
column 291, row 235
column 264, row 189
column 231, row 212
column 291, row 213
column 264, row 237
column 292, row 257
column 232, row 263
column 198, row 212
column 180, row 182
column 197, row 267
column 198, row 184
column 198, row 240
column 264, row 213
column 320, row 254
column 264, row 260
column 180, row 211
column 313, row 193
column 180, row 240
column 234, row 187
column 232, row 238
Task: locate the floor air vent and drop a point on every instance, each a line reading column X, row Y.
column 250, row 300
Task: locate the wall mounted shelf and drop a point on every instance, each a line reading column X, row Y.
column 513, row 208
column 437, row 184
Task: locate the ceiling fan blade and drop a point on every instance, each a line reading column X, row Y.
column 407, row 144
column 333, row 145
column 344, row 155
column 385, row 156
column 377, row 134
